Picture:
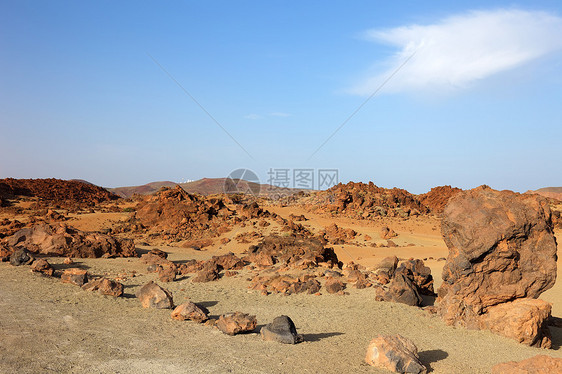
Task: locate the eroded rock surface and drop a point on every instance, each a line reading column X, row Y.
column 395, row 353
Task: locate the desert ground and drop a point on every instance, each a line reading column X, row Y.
column 49, row 326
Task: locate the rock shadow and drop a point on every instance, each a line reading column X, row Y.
column 428, row 300
column 319, row 336
column 431, row 356
column 556, row 333
column 141, row 251
column 207, row 304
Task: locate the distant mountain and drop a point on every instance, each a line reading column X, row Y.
column 145, row 189
column 550, row 192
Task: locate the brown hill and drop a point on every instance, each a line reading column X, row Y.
column 550, row 192
column 438, row 197
column 61, row 191
column 212, row 186
column 145, row 189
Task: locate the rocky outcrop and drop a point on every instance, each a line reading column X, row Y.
column 281, row 330
column 501, row 248
column 438, row 197
column 534, row 365
column 395, row 353
column 152, row 295
column 236, row 323
column 387, row 233
column 62, row 240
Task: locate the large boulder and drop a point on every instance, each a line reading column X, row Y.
column 281, row 330
column 395, row 353
column 501, row 248
column 62, row 240
column 152, row 295
column 400, row 289
column 534, row 365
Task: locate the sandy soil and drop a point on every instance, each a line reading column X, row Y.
column 48, row 326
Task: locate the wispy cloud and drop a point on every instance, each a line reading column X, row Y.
column 253, row 116
column 462, row 49
column 279, row 114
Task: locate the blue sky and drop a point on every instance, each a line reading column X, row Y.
column 478, row 103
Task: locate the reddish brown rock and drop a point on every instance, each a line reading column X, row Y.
column 42, row 266
column 338, row 235
column 208, row 273
column 395, row 353
column 152, row 295
column 524, row 320
column 75, row 276
column 190, row 311
column 104, row 286
column 438, row 197
column 235, row 323
column 400, row 289
column 334, row 285
column 535, row 365
column 419, row 274
column 501, row 248
column 62, row 240
column 167, row 273
column 387, row 233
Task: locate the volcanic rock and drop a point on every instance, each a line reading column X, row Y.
column 525, row 320
column 235, row 323
column 419, row 274
column 334, row 285
column 534, row 365
column 400, row 289
column 152, row 295
column 281, row 330
column 62, row 240
column 208, row 273
column 21, row 256
column 387, row 233
column 438, row 197
column 167, row 273
column 501, row 248
column 74, row 276
column 395, row 353
column 42, row 266
column 104, row 286
column 190, row 311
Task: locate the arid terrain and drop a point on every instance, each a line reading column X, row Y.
column 51, row 326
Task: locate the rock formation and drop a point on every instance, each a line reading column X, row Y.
column 501, row 249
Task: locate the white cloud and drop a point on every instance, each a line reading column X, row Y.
column 253, row 116
column 462, row 49
column 279, row 114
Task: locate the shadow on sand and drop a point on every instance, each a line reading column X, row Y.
column 434, row 355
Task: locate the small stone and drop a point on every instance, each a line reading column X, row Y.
column 395, row 353
column 42, row 266
column 75, row 276
column 235, row 323
column 21, row 257
column 152, row 295
column 191, row 311
column 104, row 286
column 333, row 285
column 281, row 330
